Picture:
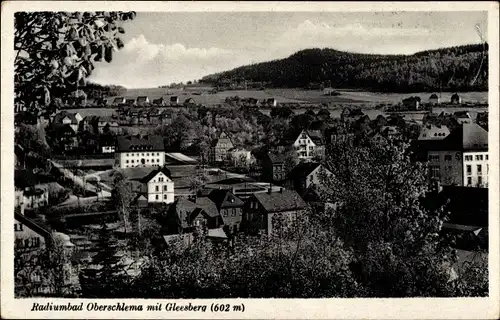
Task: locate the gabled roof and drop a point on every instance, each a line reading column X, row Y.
column 315, row 136
column 142, row 98
column 153, row 174
column 467, row 137
column 276, row 157
column 224, row 198
column 189, row 100
column 217, row 233
column 433, row 96
column 286, row 200
column 222, row 136
column 303, row 169
column 58, row 118
column 36, row 226
column 140, row 143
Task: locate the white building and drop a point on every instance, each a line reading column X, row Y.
column 158, row 186
column 139, row 151
column 461, row 158
column 307, row 145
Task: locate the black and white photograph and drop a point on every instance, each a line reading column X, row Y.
column 248, row 154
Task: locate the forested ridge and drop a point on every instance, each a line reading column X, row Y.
column 460, row 68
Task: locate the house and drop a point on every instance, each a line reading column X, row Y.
column 186, row 215
column 308, row 144
column 390, row 132
column 68, row 118
column 142, row 100
column 434, row 99
column 220, row 147
column 229, row 207
column 107, row 143
column 307, row 174
column 261, row 209
column 460, row 159
column 158, row 186
column 273, row 167
column 105, row 124
column 174, row 100
column 159, row 102
column 412, row 103
column 433, row 132
column 351, row 115
column 130, row 102
column 29, row 234
column 62, row 136
column 118, row 101
column 140, row 151
column 189, row 102
column 463, row 117
column 455, row 99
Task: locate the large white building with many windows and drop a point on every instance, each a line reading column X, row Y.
column 139, row 151
column 461, row 158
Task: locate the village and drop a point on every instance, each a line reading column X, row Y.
column 100, row 170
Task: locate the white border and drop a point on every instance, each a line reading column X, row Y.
column 412, row 308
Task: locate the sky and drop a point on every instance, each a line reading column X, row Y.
column 161, row 48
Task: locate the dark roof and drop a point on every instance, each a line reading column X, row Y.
column 433, row 96
column 59, row 128
column 61, row 115
column 286, row 200
column 224, row 198
column 153, row 173
column 142, row 98
column 140, row 143
column 276, row 157
column 315, row 136
column 189, row 100
column 455, row 96
column 303, row 169
column 36, row 226
column 462, row 114
column 118, row 100
column 469, row 136
column 174, row 98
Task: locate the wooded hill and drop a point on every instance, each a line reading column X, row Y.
column 447, row 69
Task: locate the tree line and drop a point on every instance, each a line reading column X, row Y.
column 460, row 68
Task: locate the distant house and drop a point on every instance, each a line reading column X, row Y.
column 433, row 132
column 105, row 124
column 412, row 103
column 188, row 215
column 390, row 132
column 158, row 186
column 142, row 100
column 174, row 100
column 434, row 99
column 220, row 148
column 240, row 157
column 29, row 234
column 189, row 102
column 455, row 99
column 130, row 102
column 28, row 194
column 305, row 175
column 107, row 143
column 463, row 117
column 159, row 102
column 271, row 102
column 68, row 118
column 230, row 208
column 261, row 210
column 351, row 115
column 140, row 151
column 118, row 101
column 63, row 137
column 308, row 144
column 273, row 167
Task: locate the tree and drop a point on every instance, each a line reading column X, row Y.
column 122, row 196
column 56, row 51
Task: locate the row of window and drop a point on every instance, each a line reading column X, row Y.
column 157, row 197
column 157, row 188
column 479, row 169
column 142, row 160
column 226, row 212
column 140, row 154
column 143, row 165
column 479, row 181
column 29, row 243
column 479, row 157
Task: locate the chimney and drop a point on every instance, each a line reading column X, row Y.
column 281, row 190
column 269, row 190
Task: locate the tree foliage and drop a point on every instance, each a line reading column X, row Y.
column 56, row 51
column 452, row 68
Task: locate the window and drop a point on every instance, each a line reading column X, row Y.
column 160, row 179
column 469, row 181
column 157, row 160
column 479, row 157
column 469, row 169
column 479, row 181
column 165, row 188
column 147, row 154
column 435, row 172
column 233, row 213
column 479, row 169
column 225, row 213
column 157, row 153
column 165, row 196
column 468, row 158
column 157, row 197
column 147, row 160
column 35, row 242
column 18, row 227
column 132, row 160
column 447, row 157
column 486, row 157
column 433, row 157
